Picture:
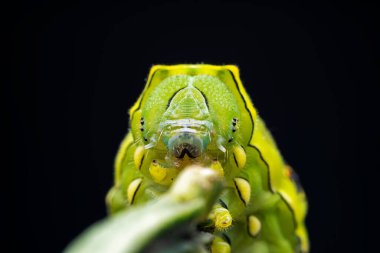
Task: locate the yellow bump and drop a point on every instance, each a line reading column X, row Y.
column 220, row 217
column 139, row 156
column 254, row 225
column 215, row 165
column 157, row 172
column 239, row 156
column 244, row 189
column 223, row 219
column 220, row 246
column 132, row 189
column 161, row 174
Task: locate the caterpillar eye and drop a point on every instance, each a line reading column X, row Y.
column 234, row 125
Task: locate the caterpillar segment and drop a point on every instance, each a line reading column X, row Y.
column 201, row 114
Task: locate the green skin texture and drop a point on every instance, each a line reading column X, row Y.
column 277, row 234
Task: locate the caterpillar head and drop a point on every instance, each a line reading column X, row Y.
column 189, row 112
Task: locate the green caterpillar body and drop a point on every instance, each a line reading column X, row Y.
column 201, row 114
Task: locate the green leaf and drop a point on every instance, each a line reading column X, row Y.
column 167, row 224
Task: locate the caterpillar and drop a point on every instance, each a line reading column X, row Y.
column 201, row 114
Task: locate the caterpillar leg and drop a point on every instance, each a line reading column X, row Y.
column 219, row 245
column 220, row 217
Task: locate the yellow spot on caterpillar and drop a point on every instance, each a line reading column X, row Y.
column 239, row 156
column 161, row 174
column 254, row 225
column 221, row 217
column 139, row 156
column 244, row 189
column 215, row 165
column 220, row 246
column 157, row 172
column 132, row 189
column 223, row 221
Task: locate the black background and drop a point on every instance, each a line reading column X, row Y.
column 78, row 67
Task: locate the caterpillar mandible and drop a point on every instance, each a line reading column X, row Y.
column 201, row 114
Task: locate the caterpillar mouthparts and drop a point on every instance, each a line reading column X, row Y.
column 185, row 143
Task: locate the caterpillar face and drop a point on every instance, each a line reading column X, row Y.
column 196, row 120
column 187, row 128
